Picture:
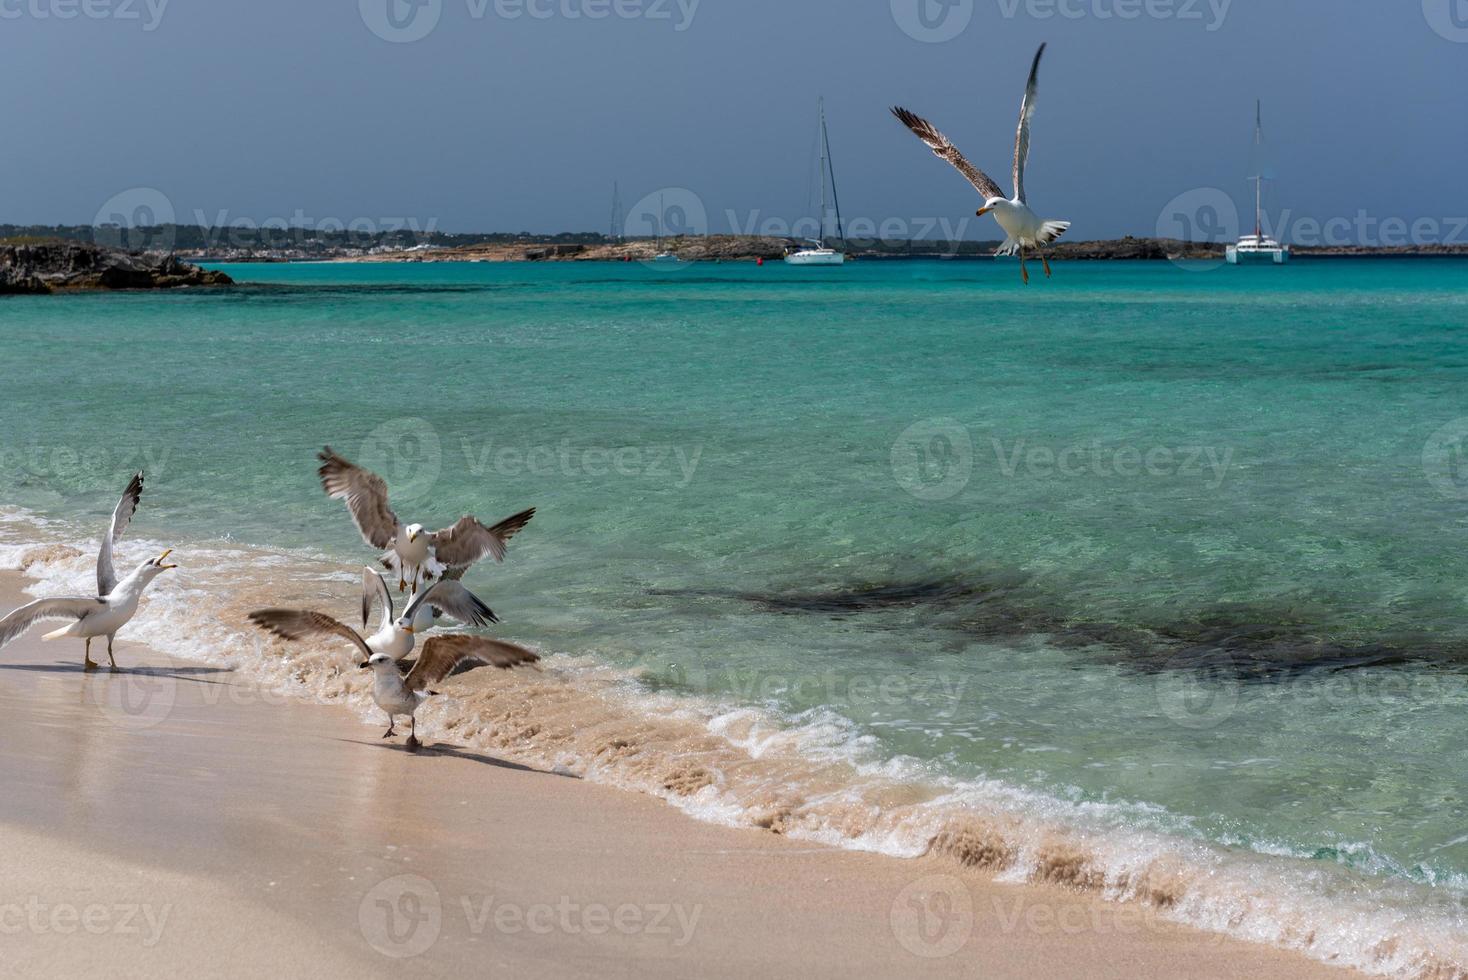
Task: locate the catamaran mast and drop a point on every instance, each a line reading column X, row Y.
column 1259, row 177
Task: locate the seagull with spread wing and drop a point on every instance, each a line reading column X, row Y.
column 395, row 693
column 446, row 597
column 409, row 547
column 113, row 605
column 1023, row 228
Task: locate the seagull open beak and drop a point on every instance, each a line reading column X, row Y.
column 983, row 211
column 412, row 537
column 163, row 556
column 407, row 629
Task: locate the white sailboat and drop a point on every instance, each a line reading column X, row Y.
column 663, row 257
column 1258, row 248
column 817, row 252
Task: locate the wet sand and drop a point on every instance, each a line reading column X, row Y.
column 177, row 817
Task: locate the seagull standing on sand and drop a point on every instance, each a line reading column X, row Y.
column 1023, row 228
column 395, row 693
column 113, row 605
column 447, row 597
column 409, row 546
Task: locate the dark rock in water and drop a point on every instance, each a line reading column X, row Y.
column 1245, row 643
column 47, row 267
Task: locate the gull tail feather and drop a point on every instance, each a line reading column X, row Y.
column 63, row 632
column 1008, row 247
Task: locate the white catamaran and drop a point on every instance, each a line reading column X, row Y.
column 817, row 253
column 1258, row 248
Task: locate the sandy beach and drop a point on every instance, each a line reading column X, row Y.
column 179, row 818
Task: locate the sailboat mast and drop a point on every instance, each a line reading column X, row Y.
column 831, row 166
column 821, row 124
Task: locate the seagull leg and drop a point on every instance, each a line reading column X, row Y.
column 109, row 651
column 1023, row 272
column 390, row 731
column 87, row 656
column 1045, row 261
column 413, row 742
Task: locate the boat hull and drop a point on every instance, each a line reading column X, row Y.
column 1258, row 256
column 812, row 256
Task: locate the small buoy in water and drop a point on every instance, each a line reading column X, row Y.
column 760, row 260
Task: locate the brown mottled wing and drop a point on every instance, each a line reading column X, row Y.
column 297, row 624
column 122, row 514
column 1022, row 135
column 61, row 607
column 941, row 147
column 365, row 494
column 469, row 541
column 442, row 654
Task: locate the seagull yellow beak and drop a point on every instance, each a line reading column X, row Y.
column 407, row 629
column 983, row 211
column 163, row 556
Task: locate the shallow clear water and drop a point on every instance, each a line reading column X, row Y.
column 1181, row 547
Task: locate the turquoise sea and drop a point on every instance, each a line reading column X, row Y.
column 1156, row 564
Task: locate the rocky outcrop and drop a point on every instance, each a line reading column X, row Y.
column 46, row 267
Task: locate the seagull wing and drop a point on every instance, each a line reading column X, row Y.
column 63, row 607
column 941, row 147
column 469, row 541
column 122, row 514
column 1022, row 136
column 297, row 624
column 442, row 654
column 374, row 589
column 365, row 494
column 455, row 600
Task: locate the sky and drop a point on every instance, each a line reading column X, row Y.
column 519, row 115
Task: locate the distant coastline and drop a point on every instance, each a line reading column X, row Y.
column 195, row 243
column 737, row 248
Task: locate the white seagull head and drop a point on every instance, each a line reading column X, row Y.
column 413, row 530
column 149, row 569
column 991, row 204
column 377, row 660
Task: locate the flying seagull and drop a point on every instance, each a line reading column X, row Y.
column 1024, row 228
column 113, row 605
column 395, row 693
column 408, row 546
column 447, row 597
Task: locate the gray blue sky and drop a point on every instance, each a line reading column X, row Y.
column 516, row 115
